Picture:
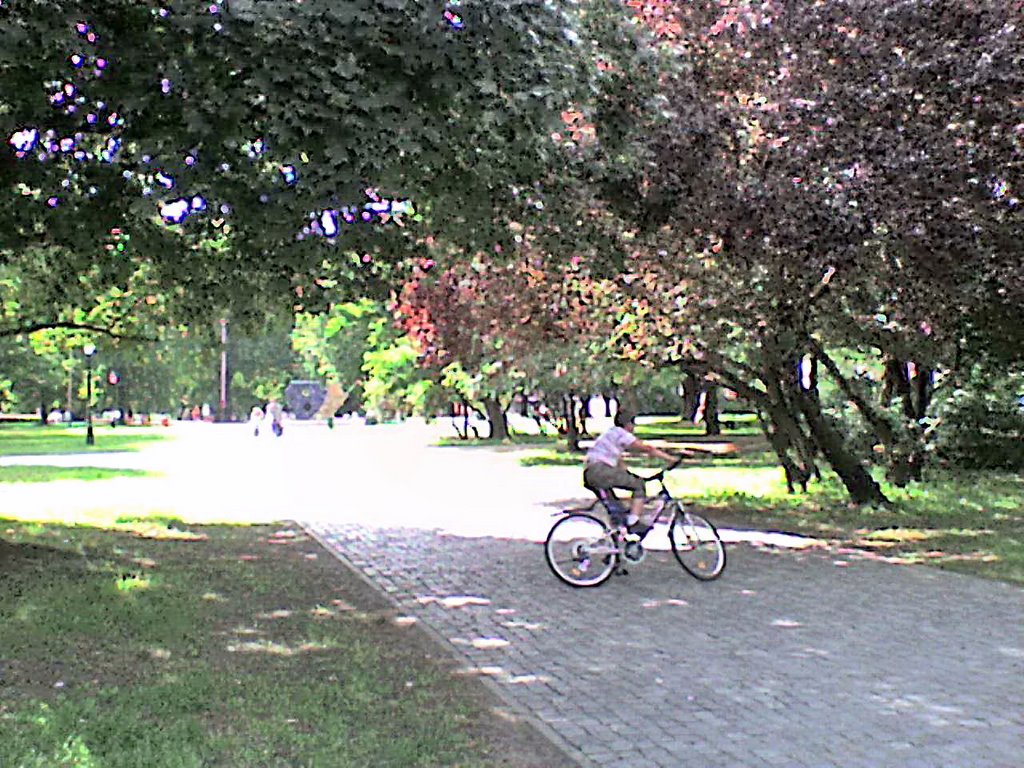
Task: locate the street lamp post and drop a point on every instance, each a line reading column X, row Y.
column 90, row 350
column 223, row 411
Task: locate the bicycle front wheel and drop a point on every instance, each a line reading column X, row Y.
column 581, row 551
column 697, row 546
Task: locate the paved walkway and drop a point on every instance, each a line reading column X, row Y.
column 791, row 659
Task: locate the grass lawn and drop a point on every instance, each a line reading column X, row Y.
column 514, row 439
column 36, row 440
column 672, row 427
column 972, row 522
column 158, row 646
column 44, row 474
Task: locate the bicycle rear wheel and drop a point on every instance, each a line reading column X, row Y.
column 696, row 545
column 581, row 551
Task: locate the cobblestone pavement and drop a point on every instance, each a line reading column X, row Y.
column 790, row 659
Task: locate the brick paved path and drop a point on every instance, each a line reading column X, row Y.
column 788, row 660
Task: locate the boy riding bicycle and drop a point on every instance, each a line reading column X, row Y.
column 605, row 469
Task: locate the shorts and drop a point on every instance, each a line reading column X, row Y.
column 599, row 476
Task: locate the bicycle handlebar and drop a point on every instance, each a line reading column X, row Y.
column 679, row 460
column 669, row 468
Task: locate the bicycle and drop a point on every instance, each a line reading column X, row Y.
column 584, row 551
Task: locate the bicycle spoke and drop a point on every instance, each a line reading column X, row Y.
column 580, row 552
column 697, row 546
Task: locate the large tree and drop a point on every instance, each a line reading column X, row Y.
column 832, row 175
column 256, row 150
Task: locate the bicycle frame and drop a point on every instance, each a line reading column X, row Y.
column 609, row 500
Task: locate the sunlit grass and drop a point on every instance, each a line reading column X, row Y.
column 668, row 427
column 114, row 655
column 514, row 439
column 762, row 482
column 38, row 440
column 132, row 582
column 971, row 522
column 148, row 517
column 45, row 474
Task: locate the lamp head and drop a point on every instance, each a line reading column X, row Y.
column 89, row 350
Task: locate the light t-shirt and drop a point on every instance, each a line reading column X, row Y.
column 609, row 447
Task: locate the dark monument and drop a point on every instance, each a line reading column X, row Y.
column 304, row 398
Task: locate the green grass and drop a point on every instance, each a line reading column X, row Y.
column 513, row 440
column 45, row 474
column 40, row 441
column 674, row 428
column 971, row 522
column 231, row 649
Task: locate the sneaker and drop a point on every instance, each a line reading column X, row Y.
column 639, row 529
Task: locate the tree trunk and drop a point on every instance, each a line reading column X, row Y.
column 907, row 454
column 786, row 437
column 584, row 414
column 858, row 481
column 922, row 392
column 572, row 432
column 713, row 427
column 691, row 396
column 896, row 383
column 496, row 419
column 787, row 434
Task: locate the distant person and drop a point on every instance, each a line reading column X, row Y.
column 255, row 417
column 196, row 413
column 276, row 415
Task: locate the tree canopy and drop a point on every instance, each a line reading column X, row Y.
column 234, row 141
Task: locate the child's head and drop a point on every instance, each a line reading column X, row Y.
column 625, row 419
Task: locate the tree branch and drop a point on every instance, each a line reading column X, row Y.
column 877, row 421
column 69, row 325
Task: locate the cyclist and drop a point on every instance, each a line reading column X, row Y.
column 605, row 469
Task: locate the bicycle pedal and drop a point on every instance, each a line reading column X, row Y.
column 622, row 572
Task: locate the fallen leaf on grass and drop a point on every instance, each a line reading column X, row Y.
column 876, row 544
column 162, row 533
column 900, row 534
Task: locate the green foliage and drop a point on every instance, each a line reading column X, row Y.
column 332, row 344
column 394, row 384
column 262, row 363
column 350, row 95
column 982, row 421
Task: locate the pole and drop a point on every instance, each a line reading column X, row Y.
column 223, row 369
column 90, row 438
